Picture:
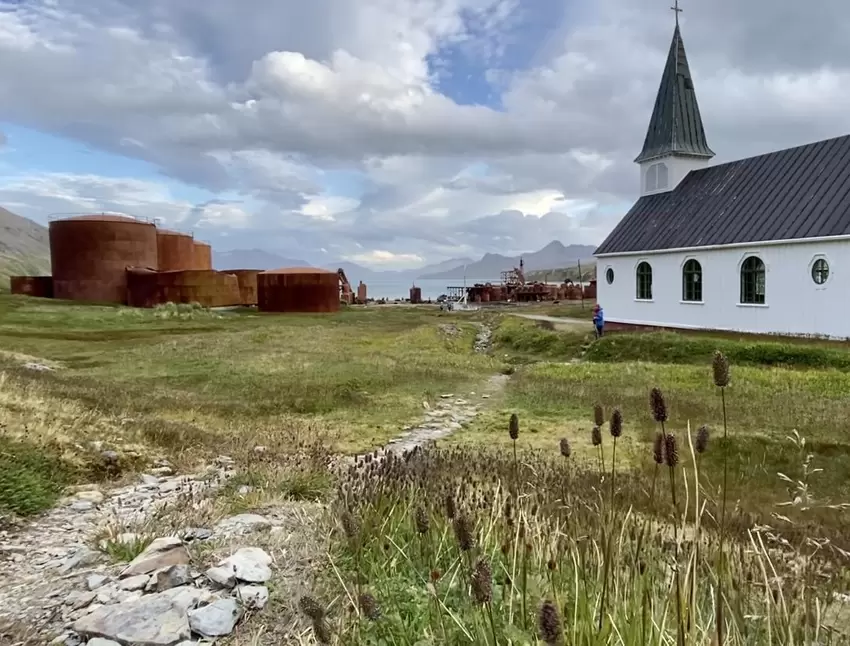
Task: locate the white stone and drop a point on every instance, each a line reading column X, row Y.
column 249, row 564
column 159, row 554
column 133, row 583
column 154, row 620
column 217, row 619
column 95, row 581
column 222, row 576
column 253, row 597
column 241, row 524
column 94, row 497
column 79, row 599
column 99, row 641
column 148, row 479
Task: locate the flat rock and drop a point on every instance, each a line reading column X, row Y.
column 242, row 524
column 155, row 620
column 217, row 619
column 172, row 577
column 253, row 597
column 79, row 599
column 95, row 497
column 81, row 558
column 196, row 534
column 99, row 641
column 249, row 564
column 223, row 576
column 132, row 583
column 185, row 598
column 162, row 553
column 148, row 479
column 95, row 581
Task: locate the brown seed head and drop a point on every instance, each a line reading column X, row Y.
column 435, row 576
column 598, row 414
column 464, row 532
column 423, row 523
column 513, row 426
column 322, row 631
column 549, row 622
column 566, row 449
column 596, row 436
column 311, row 608
column 616, row 425
column 451, row 508
column 658, row 405
column 702, row 439
column 552, row 565
column 350, row 525
column 720, row 368
column 671, row 452
column 658, row 448
column 482, row 582
column 369, row 606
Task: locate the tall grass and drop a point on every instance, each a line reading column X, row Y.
column 538, row 549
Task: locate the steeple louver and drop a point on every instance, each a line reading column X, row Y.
column 676, row 126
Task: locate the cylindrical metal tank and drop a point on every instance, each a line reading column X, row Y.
column 147, row 288
column 202, row 256
column 39, row 286
column 89, row 255
column 415, row 295
column 298, row 289
column 175, row 250
column 247, row 279
column 361, row 293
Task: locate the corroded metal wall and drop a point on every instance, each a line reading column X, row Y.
column 40, row 286
column 209, row 288
column 89, row 255
column 202, row 256
column 175, row 250
column 301, row 289
column 247, row 284
column 415, row 295
column 361, row 293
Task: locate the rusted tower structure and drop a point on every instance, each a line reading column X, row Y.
column 175, row 250
column 202, row 256
column 90, row 254
column 298, row 289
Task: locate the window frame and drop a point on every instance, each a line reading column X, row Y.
column 749, row 293
column 813, row 270
column 690, row 269
column 643, row 281
column 609, row 275
column 651, row 180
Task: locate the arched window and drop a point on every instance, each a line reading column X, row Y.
column 692, row 281
column 609, row 275
column 644, row 281
column 657, row 177
column 752, row 281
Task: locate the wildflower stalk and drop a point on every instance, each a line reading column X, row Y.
column 616, row 428
column 672, row 458
column 720, row 369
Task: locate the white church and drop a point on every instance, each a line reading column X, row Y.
column 756, row 245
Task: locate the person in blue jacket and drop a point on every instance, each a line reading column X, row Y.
column 598, row 319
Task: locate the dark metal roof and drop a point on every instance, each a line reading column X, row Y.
column 676, row 125
column 790, row 194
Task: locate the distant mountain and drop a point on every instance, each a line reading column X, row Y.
column 24, row 247
column 491, row 265
column 447, row 265
column 253, row 259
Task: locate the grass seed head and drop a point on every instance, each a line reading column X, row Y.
column 311, row 608
column 658, row 448
column 322, row 631
column 616, row 426
column 596, row 436
column 451, row 507
column 720, row 368
column 566, row 449
column 464, row 532
column 423, row 523
column 598, row 414
column 702, row 439
column 513, row 426
column 350, row 525
column 369, row 606
column 671, row 451
column 658, row 405
column 549, row 622
column 482, row 582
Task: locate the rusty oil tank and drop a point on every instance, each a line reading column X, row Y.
column 590, row 290
column 247, row 279
column 38, row 286
column 415, row 295
column 89, row 255
column 175, row 250
column 146, row 288
column 298, row 289
column 361, row 293
column 202, row 256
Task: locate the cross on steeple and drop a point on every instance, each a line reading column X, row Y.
column 675, row 8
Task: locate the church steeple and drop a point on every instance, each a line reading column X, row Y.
column 676, row 126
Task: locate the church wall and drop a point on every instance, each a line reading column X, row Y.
column 794, row 303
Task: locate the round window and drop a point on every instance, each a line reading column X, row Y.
column 609, row 275
column 820, row 271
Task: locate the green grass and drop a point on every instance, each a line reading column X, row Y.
column 523, row 340
column 16, row 265
column 31, row 477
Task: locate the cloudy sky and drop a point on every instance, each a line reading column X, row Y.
column 389, row 132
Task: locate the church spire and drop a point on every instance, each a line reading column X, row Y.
column 676, row 126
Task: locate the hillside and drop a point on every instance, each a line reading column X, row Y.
column 560, row 274
column 24, row 247
column 555, row 254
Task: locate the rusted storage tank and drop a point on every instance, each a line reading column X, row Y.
column 415, row 295
column 590, row 290
column 247, row 279
column 175, row 250
column 202, row 256
column 38, row 286
column 89, row 255
column 298, row 289
column 147, row 288
column 361, row 293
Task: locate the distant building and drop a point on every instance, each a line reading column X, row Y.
column 756, row 245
